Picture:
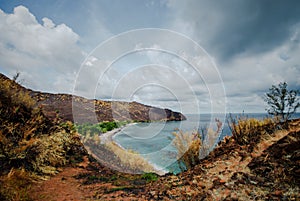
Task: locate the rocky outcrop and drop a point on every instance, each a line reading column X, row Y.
column 81, row 110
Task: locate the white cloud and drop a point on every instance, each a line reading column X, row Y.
column 247, row 77
column 49, row 56
column 254, row 45
column 48, row 23
column 46, row 55
column 158, row 79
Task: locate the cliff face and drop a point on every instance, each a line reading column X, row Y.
column 82, row 110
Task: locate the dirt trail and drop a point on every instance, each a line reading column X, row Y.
column 71, row 185
column 223, row 170
column 238, row 164
column 227, row 176
column 213, row 179
column 62, row 187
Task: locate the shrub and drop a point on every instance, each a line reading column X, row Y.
column 149, row 177
column 56, row 150
column 31, row 146
column 282, row 102
column 28, row 139
column 209, row 139
column 10, row 93
column 248, row 131
column 192, row 147
column 187, row 146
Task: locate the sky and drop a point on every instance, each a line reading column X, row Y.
column 190, row 56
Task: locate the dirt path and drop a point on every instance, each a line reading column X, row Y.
column 212, row 180
column 62, row 187
column 224, row 170
column 87, row 181
column 226, row 176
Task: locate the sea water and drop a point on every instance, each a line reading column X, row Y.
column 154, row 140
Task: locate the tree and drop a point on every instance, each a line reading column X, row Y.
column 281, row 101
column 16, row 76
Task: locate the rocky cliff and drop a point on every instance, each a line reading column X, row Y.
column 81, row 110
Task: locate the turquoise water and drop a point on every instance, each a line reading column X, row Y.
column 154, row 140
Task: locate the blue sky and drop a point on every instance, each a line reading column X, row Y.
column 253, row 43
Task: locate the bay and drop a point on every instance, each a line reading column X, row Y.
column 153, row 140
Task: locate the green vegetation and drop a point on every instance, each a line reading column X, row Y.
column 282, row 102
column 91, row 132
column 149, row 177
column 96, row 129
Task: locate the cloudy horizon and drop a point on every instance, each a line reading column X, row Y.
column 252, row 44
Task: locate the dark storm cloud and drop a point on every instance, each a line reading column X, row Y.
column 227, row 28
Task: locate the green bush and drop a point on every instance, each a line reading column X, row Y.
column 149, row 177
column 91, row 130
column 282, row 102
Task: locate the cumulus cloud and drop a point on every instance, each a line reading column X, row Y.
column 254, row 43
column 47, row 55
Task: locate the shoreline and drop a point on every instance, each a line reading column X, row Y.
column 108, row 137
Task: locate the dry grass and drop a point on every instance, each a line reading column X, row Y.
column 210, row 140
column 191, row 148
column 56, row 150
column 30, row 144
column 15, row 185
column 18, row 97
column 187, row 146
column 248, row 131
column 130, row 159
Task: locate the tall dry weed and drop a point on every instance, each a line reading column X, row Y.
column 131, row 159
column 192, row 147
column 246, row 131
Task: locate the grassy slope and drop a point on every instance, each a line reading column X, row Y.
column 31, row 146
column 268, row 171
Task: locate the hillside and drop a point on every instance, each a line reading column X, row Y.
column 231, row 172
column 42, row 159
column 32, row 147
column 66, row 107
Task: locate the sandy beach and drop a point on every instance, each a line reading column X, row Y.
column 108, row 136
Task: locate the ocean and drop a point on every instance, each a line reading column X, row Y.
column 153, row 141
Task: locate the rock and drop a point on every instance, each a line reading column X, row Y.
column 66, row 106
column 222, row 181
